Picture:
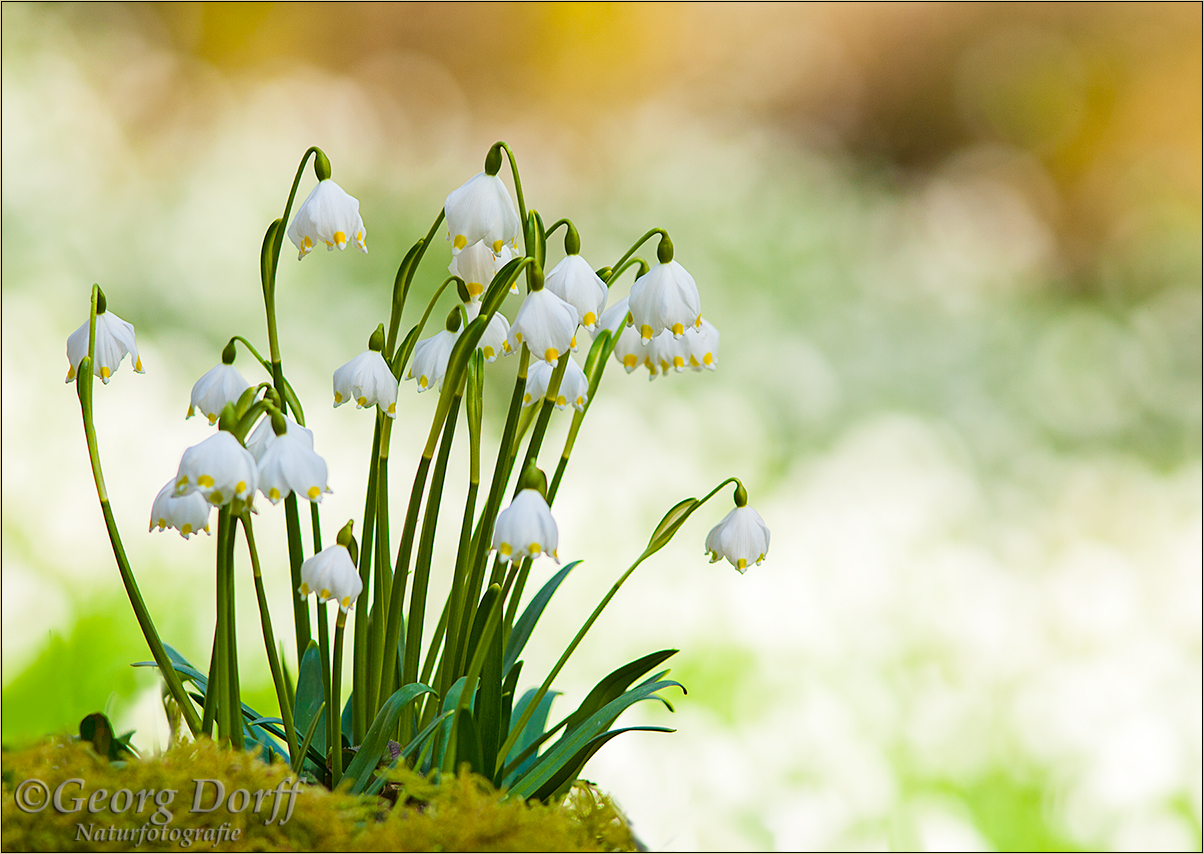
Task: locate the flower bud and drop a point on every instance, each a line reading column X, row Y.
column 228, row 353
column 453, row 320
column 534, row 478
column 664, row 250
column 102, row 304
column 279, row 425
column 740, row 496
column 321, row 165
column 493, row 160
column 376, row 341
column 344, row 538
column 572, row 241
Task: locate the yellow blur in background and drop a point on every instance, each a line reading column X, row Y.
column 954, row 255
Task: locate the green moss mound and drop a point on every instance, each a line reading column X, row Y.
column 170, row 802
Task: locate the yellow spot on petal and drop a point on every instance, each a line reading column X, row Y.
column 242, row 487
column 205, row 481
column 313, row 493
column 212, row 420
column 534, row 550
column 698, row 322
column 182, row 482
column 162, row 524
column 580, row 400
column 274, row 494
column 329, row 245
column 392, row 408
column 678, row 329
column 216, row 497
column 475, row 289
column 589, row 318
column 504, row 550
column 338, row 398
column 645, row 333
column 630, row 361
column 708, row 359
column 361, row 401
column 497, row 246
column 760, row 558
column 679, row 362
column 561, row 400
column 340, row 238
column 551, row 354
column 741, row 564
column 423, row 382
column 187, row 529
column 573, row 343
column 488, row 351
column 71, row 372
column 527, row 398
column 359, row 235
column 346, row 602
column 138, row 365
column 505, row 346
column 693, row 361
column 324, row 593
column 307, row 244
column 460, row 242
column 105, row 373
column 518, row 336
column 304, row 589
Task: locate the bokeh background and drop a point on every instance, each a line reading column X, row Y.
column 955, row 256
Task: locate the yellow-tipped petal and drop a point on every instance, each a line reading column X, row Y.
column 475, row 289
column 534, row 550
column 212, row 420
column 313, row 493
column 242, row 487
column 338, row 398
column 340, row 238
column 216, row 497
column 392, row 408
column 187, row 529
column 678, row 329
column 589, row 318
column 460, row 242
column 324, row 593
column 504, row 550
column 645, row 333
column 551, row 354
column 105, row 373
column 205, row 481
column 274, row 494
column 497, row 246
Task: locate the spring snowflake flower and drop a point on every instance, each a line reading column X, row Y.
column 574, row 386
column 575, row 282
column 493, row 341
column 331, row 574
column 367, row 380
column 290, row 465
column 665, row 352
column 665, row 298
column 615, row 317
column 545, row 323
column 702, row 343
column 525, row 528
column 114, row 338
column 477, row 265
column 429, row 362
column 263, row 436
column 188, row 514
column 220, row 469
column 210, row 394
column 328, row 215
column 481, row 209
column 742, row 537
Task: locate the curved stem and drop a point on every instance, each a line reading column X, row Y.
column 638, row 244
column 401, row 282
column 518, row 190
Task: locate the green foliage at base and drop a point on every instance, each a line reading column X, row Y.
column 462, row 813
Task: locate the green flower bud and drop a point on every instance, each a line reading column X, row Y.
column 493, row 160
column 462, row 290
column 321, row 165
column 664, row 250
column 376, row 341
column 279, row 425
column 228, row 353
column 604, row 273
column 534, row 478
column 344, row 538
column 102, row 304
column 535, row 277
column 453, row 320
column 572, row 241
column 740, row 496
column 228, row 420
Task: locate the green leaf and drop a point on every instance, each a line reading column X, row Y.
column 562, row 752
column 482, row 616
column 668, row 526
column 310, row 695
column 560, row 783
column 530, row 616
column 614, row 684
column 379, row 783
column 468, row 742
column 307, row 742
column 531, row 732
column 345, row 718
column 376, row 739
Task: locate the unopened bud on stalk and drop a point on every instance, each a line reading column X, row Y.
column 453, row 320
column 279, row 425
column 376, row 341
column 740, row 495
column 664, row 250
column 493, row 160
column 228, row 420
column 604, row 273
column 244, row 401
column 534, row 478
column 572, row 241
column 228, row 353
column 102, row 304
column 321, row 165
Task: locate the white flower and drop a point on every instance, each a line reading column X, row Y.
column 665, row 298
column 629, row 350
column 741, row 537
column 481, row 209
column 328, row 215
column 477, row 265
column 493, row 340
column 702, row 343
column 187, row 513
column 289, row 465
column 615, row 317
column 222, row 385
column 430, row 359
column 574, row 387
column 575, row 282
column 539, row 373
column 367, row 380
column 332, row 575
column 665, row 352
column 114, row 338
column 525, row 528
column 545, row 323
column 220, row 469
column 263, row 435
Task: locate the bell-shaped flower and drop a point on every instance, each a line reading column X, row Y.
column 702, row 344
column 629, row 350
column 493, row 340
column 429, row 363
column 331, row 574
column 263, row 436
column 367, row 380
column 220, row 469
column 290, row 465
column 114, row 338
column 665, row 298
column 575, row 282
column 574, row 386
column 328, row 215
column 188, row 514
column 742, row 537
column 481, row 209
column 615, row 317
column 665, row 352
column 477, row 265
column 525, row 528
column 545, row 323
column 210, row 394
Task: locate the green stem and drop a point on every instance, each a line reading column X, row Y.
column 401, row 282
column 636, row 246
column 234, row 685
column 336, row 693
column 269, row 641
column 360, row 640
column 332, row 709
column 518, row 191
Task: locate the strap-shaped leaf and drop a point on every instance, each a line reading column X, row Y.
column 614, row 684
column 674, row 519
column 376, row 739
column 563, row 751
column 530, row 616
column 468, row 741
column 531, row 732
column 311, row 695
column 307, row 741
column 379, row 782
column 557, row 787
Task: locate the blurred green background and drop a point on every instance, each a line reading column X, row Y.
column 955, row 256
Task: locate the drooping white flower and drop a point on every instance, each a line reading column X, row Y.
column 539, row 373
column 429, row 362
column 481, row 209
column 615, row 317
column 575, row 282
column 703, row 345
column 367, row 380
column 290, row 465
column 114, row 338
column 263, row 435
column 665, row 352
column 220, row 469
column 219, row 386
column 477, row 265
column 742, row 537
column 189, row 514
column 574, row 386
column 629, row 350
column 545, row 323
column 331, row 574
column 328, row 215
column 525, row 528
column 493, row 340
column 665, row 298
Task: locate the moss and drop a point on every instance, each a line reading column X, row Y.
column 457, row 813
